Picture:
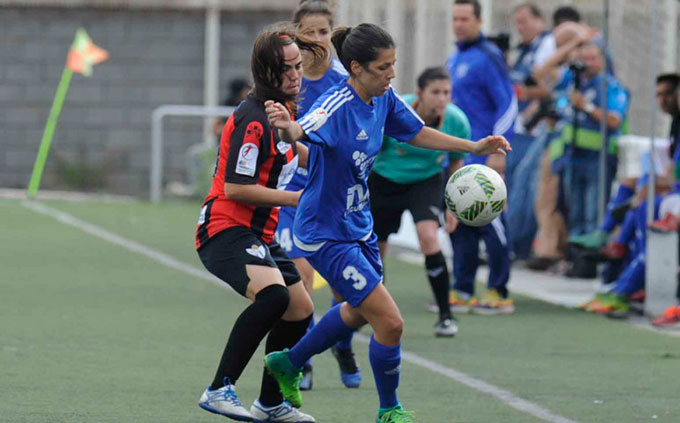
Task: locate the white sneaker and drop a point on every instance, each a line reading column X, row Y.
column 225, row 402
column 446, row 327
column 283, row 412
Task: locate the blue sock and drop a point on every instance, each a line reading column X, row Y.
column 325, row 333
column 622, row 195
column 386, row 365
column 345, row 343
column 627, row 232
column 311, row 326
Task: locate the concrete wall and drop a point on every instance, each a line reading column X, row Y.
column 104, row 129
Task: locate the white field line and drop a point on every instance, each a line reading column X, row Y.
column 500, row 394
column 123, row 242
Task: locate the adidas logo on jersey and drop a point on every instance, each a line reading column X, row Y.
column 362, row 136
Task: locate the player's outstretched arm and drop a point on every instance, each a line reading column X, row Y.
column 436, row 140
column 279, row 118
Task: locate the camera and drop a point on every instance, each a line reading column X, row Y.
column 545, row 110
column 577, row 67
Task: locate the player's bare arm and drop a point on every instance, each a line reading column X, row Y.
column 436, row 140
column 261, row 196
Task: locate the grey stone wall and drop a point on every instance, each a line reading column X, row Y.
column 103, row 134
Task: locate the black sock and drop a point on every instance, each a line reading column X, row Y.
column 250, row 327
column 283, row 335
column 438, row 274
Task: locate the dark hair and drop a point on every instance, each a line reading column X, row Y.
column 432, row 74
column 533, row 9
column 313, row 7
column 361, row 43
column 566, row 14
column 236, row 86
column 267, row 62
column 669, row 78
column 477, row 8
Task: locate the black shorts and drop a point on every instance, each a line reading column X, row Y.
column 424, row 199
column 226, row 254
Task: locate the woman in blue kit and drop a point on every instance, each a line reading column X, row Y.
column 314, row 20
column 333, row 223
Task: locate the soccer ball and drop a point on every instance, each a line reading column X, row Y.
column 476, row 194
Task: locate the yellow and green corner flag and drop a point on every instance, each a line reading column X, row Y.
column 82, row 56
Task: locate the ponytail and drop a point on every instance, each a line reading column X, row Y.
column 361, row 43
column 338, row 39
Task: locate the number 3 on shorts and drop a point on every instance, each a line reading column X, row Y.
column 352, row 273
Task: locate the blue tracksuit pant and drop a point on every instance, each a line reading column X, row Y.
column 465, row 241
column 633, row 277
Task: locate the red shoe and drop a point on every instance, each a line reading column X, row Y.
column 615, row 251
column 638, row 296
column 669, row 223
column 669, row 318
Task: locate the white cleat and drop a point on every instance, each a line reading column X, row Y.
column 224, row 401
column 283, row 412
column 446, row 327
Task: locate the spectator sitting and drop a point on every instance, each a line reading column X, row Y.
column 633, row 277
column 667, row 86
column 669, row 210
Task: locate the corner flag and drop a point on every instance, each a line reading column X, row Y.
column 81, row 58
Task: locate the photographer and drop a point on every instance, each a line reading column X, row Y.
column 580, row 140
column 580, row 112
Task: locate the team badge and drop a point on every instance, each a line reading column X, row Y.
column 317, row 118
column 462, row 70
column 247, row 159
column 256, row 251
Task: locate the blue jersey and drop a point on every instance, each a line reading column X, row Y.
column 482, row 88
column 345, row 135
column 309, row 92
column 527, row 61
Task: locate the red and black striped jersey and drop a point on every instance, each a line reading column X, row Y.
column 250, row 152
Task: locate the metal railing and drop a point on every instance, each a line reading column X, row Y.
column 156, row 174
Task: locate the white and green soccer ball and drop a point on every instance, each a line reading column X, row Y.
column 476, row 194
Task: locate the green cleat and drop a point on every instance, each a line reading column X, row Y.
column 612, row 305
column 288, row 377
column 395, row 414
column 593, row 240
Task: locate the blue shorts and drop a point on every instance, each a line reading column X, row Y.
column 352, row 269
column 284, row 233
